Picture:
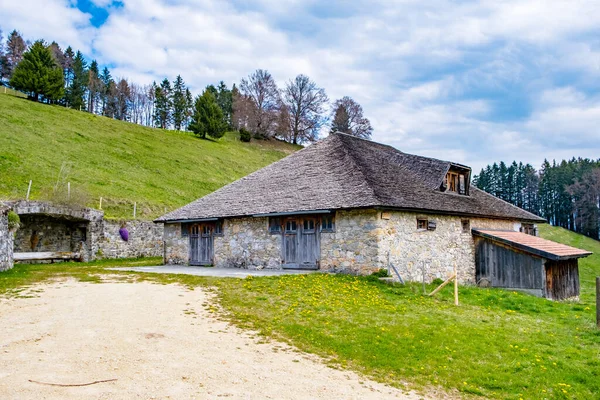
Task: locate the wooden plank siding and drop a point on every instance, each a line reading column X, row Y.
column 508, row 268
column 562, row 279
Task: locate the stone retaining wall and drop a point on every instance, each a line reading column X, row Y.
column 58, row 227
column 6, row 241
column 145, row 240
column 43, row 233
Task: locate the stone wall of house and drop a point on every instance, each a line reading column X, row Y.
column 247, row 243
column 431, row 253
column 176, row 246
column 145, row 240
column 352, row 248
column 6, row 242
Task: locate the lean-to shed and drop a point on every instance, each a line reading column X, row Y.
column 515, row 260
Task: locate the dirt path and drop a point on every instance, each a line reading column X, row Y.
column 159, row 342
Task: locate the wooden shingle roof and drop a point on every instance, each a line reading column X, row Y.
column 532, row 244
column 344, row 172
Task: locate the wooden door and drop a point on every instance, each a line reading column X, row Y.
column 301, row 247
column 201, row 244
column 290, row 244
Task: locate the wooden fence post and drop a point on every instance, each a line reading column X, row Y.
column 28, row 191
column 455, row 285
column 100, row 208
column 68, row 190
column 598, row 302
column 134, row 209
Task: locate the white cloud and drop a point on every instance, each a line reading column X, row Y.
column 432, row 76
column 52, row 20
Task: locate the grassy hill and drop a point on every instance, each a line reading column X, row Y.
column 122, row 162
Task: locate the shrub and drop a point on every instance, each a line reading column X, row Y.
column 437, row 281
column 381, row 273
column 14, row 222
column 245, row 135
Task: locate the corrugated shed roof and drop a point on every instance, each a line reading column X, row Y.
column 532, row 244
column 343, row 172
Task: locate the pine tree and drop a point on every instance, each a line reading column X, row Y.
column 207, row 119
column 106, row 79
column 94, row 87
column 341, row 120
column 15, row 49
column 189, row 104
column 163, row 106
column 348, row 118
column 69, row 57
column 122, row 100
column 225, row 101
column 38, row 74
column 179, row 101
column 76, row 92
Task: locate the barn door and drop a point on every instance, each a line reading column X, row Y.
column 201, row 244
column 301, row 247
column 290, row 244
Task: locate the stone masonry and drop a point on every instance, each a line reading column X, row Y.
column 247, row 243
column 57, row 227
column 6, row 240
column 431, row 253
column 145, row 240
column 176, row 246
column 352, row 248
column 363, row 242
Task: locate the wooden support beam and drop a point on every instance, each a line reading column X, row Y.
column 447, row 281
column 455, row 285
column 46, row 255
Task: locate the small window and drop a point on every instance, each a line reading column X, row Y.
column 327, row 224
column 456, row 182
column 290, row 226
column 529, row 229
column 274, row 225
column 219, row 228
column 422, row 224
column 309, row 225
column 466, row 226
column 185, row 229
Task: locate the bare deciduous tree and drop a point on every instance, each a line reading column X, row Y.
column 305, row 103
column 348, row 118
column 261, row 89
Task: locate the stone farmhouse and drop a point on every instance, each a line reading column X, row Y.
column 348, row 205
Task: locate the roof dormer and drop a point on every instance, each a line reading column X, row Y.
column 458, row 180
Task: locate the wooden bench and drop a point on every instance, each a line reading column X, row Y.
column 46, row 255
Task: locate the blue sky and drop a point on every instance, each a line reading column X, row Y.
column 469, row 81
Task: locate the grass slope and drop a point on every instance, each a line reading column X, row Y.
column 122, row 162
